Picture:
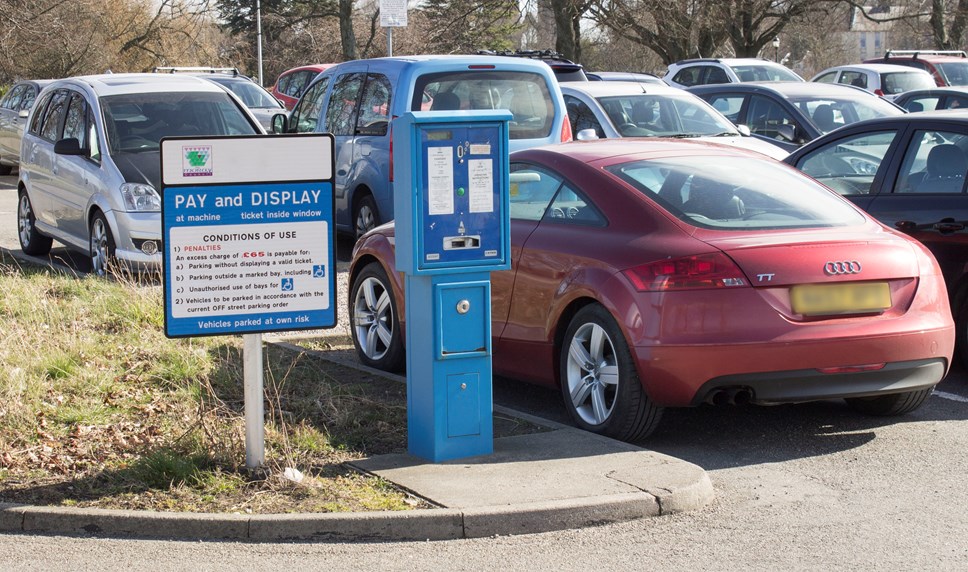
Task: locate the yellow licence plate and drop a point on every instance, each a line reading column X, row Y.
column 825, row 299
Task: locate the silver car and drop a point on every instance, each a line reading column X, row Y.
column 90, row 165
column 631, row 109
column 14, row 109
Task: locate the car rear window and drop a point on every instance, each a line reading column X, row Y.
column 524, row 94
column 763, row 73
column 137, row 122
column 737, row 193
column 899, row 82
column 955, row 73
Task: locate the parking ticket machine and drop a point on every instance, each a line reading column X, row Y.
column 451, row 204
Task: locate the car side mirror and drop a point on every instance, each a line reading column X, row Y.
column 23, row 113
column 787, row 132
column 586, row 135
column 280, row 123
column 70, row 146
column 744, row 130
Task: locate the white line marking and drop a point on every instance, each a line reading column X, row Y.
column 951, row 396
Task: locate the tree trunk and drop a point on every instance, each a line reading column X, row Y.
column 346, row 34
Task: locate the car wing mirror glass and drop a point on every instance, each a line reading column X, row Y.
column 280, row 123
column 787, row 132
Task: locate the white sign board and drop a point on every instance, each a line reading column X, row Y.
column 393, row 13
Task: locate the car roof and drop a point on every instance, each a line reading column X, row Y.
column 730, row 61
column 945, row 90
column 926, row 55
column 609, row 88
column 620, row 150
column 878, row 68
column 123, row 83
column 787, row 88
column 625, row 76
column 453, row 59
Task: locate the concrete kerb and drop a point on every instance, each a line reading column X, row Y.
column 684, row 489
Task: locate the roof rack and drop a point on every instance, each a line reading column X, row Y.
column 916, row 53
column 230, row 71
column 535, row 54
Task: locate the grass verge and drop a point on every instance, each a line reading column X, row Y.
column 99, row 409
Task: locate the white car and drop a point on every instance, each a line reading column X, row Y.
column 90, row 166
column 687, row 73
column 885, row 80
column 608, row 109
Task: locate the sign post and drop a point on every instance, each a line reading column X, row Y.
column 249, row 245
column 393, row 14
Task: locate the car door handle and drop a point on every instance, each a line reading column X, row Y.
column 947, row 227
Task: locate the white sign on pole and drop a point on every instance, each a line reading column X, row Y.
column 393, row 13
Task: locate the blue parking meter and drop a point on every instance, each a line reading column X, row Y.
column 452, row 229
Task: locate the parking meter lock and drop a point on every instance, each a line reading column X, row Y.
column 452, row 229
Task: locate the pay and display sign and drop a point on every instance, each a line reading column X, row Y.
column 249, row 242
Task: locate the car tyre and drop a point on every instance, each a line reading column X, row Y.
column 374, row 320
column 890, row 405
column 31, row 241
column 102, row 245
column 599, row 383
column 365, row 217
column 961, row 336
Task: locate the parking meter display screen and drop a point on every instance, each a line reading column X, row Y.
column 462, row 176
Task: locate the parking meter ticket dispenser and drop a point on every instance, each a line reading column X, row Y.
column 451, row 201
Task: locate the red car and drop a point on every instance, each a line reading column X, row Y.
column 292, row 83
column 667, row 273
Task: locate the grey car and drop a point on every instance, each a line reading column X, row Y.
column 90, row 165
column 14, row 109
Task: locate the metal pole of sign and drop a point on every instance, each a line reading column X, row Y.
column 390, row 42
column 255, row 431
column 258, row 35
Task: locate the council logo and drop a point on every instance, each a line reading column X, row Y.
column 197, row 161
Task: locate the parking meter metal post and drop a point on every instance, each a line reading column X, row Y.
column 452, row 230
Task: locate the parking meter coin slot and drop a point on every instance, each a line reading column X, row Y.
column 465, row 318
column 463, row 404
column 456, row 242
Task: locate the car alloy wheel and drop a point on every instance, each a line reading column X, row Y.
column 599, row 383
column 373, row 315
column 102, row 245
column 31, row 241
column 365, row 219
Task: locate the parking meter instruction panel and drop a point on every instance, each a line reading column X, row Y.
column 462, row 174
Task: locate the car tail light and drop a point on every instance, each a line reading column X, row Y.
column 566, row 134
column 391, row 151
column 878, row 92
column 700, row 272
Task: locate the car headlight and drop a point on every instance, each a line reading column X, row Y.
column 140, row 197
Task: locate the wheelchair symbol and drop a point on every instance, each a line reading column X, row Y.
column 319, row 271
column 287, row 285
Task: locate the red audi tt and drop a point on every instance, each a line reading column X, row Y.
column 667, row 273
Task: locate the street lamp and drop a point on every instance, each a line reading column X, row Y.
column 776, row 49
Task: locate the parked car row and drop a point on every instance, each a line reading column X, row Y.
column 682, row 265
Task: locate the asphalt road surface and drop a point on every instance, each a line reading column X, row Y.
column 799, row 487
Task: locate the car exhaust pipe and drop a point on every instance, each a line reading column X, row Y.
column 730, row 396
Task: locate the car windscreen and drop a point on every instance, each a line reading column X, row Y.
column 754, row 72
column 898, row 82
column 644, row 115
column 524, row 94
column 737, row 193
column 846, row 110
column 955, row 73
column 136, row 123
column 253, row 96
